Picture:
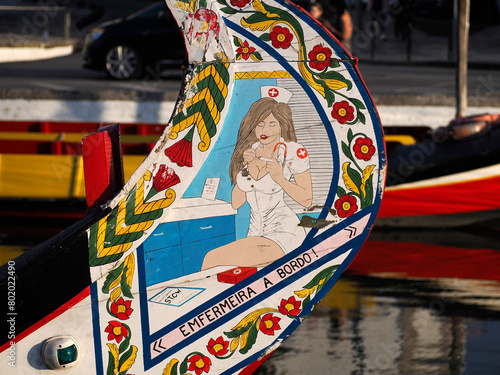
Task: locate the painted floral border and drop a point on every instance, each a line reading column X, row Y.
column 242, row 337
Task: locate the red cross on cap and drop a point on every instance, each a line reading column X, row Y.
column 273, row 93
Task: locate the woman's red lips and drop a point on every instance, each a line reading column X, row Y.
column 263, row 136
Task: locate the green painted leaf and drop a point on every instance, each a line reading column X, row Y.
column 306, row 302
column 228, row 10
column 112, row 276
column 238, row 332
column 125, row 343
column 346, row 150
column 125, row 356
column 237, row 41
column 354, row 175
column 341, row 191
column 321, row 275
column 256, row 18
column 350, row 136
column 184, row 366
column 265, row 37
column 257, row 55
column 336, row 76
column 125, row 287
column 368, row 200
column 329, row 96
column 252, row 338
column 361, row 117
column 111, row 365
column 357, row 103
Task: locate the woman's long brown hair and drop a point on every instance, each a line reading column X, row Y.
column 259, row 111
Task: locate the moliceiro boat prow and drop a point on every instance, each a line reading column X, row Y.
column 256, row 197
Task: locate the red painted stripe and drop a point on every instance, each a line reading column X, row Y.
column 68, row 305
column 252, row 367
column 463, row 197
column 413, row 259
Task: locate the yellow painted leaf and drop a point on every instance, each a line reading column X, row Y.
column 367, row 172
column 115, row 282
column 168, row 368
column 115, row 294
column 130, row 361
column 258, row 26
column 253, row 316
column 335, row 84
column 244, row 338
column 116, row 355
column 130, row 264
column 306, row 73
column 258, row 6
column 349, row 183
column 305, row 292
column 234, row 343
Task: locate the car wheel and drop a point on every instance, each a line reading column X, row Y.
column 123, row 62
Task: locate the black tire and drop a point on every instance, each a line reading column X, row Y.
column 123, row 62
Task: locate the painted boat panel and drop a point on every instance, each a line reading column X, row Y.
column 212, row 310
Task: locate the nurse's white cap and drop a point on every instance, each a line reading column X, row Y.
column 279, row 94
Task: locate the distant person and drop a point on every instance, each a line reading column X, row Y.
column 377, row 8
column 318, row 13
column 336, row 17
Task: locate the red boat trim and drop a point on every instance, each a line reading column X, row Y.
column 59, row 311
column 453, row 198
column 417, row 260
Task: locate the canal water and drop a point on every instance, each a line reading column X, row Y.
column 412, row 302
column 423, row 302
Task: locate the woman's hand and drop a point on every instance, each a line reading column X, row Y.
column 249, row 156
column 275, row 169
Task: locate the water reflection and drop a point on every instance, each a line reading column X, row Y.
column 411, row 303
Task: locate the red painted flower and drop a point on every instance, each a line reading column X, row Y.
column 198, row 364
column 181, row 153
column 116, row 331
column 363, row 148
column 290, row 307
column 163, row 179
column 269, row 324
column 343, row 112
column 218, row 347
column 202, row 23
column 239, row 3
column 245, row 50
column 281, row 37
column 320, row 57
column 346, row 205
column 121, row 308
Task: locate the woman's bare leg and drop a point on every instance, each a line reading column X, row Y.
column 245, row 252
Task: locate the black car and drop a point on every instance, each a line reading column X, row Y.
column 124, row 48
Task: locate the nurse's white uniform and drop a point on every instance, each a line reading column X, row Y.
column 270, row 216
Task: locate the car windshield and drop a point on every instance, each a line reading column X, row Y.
column 149, row 12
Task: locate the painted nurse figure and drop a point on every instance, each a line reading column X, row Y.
column 265, row 159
